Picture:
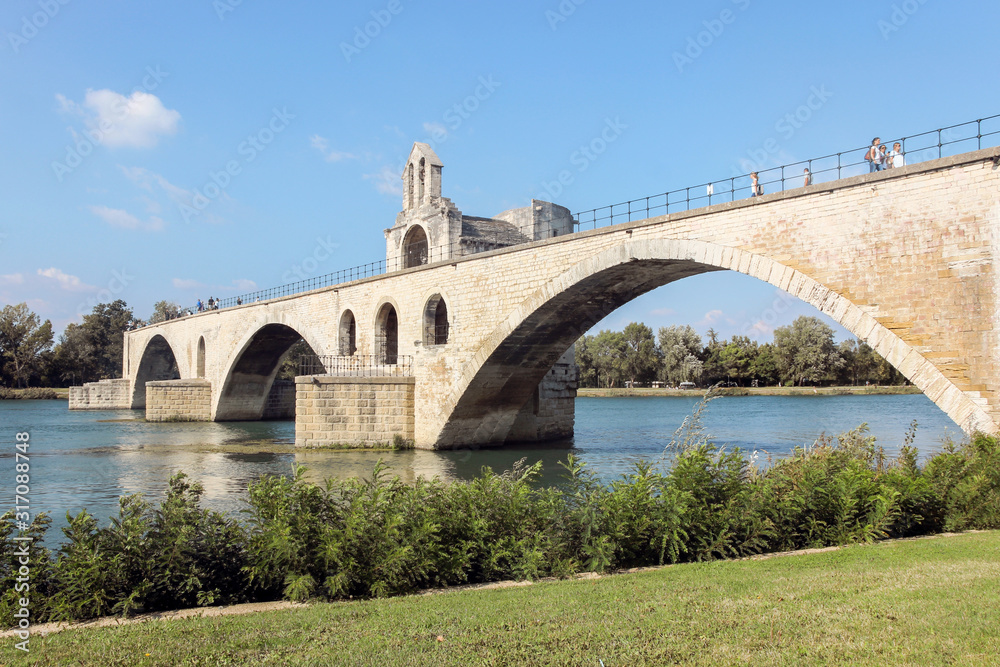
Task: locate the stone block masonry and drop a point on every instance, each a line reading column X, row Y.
column 908, row 260
column 103, row 395
column 356, row 411
column 179, row 400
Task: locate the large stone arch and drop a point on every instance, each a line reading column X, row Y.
column 252, row 367
column 158, row 362
column 515, row 356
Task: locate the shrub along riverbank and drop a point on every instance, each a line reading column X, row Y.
column 380, row 537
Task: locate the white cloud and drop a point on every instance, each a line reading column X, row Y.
column 761, row 329
column 437, row 130
column 182, row 283
column 12, row 279
column 711, row 317
column 244, row 285
column 137, row 121
column 66, row 281
column 145, row 179
column 387, row 181
column 663, row 312
column 116, row 217
column 323, row 146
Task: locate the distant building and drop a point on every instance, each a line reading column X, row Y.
column 430, row 228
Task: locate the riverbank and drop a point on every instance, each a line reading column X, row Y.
column 34, row 393
column 755, row 391
column 888, row 603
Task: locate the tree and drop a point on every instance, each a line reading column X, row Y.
column 764, row 368
column 608, row 350
column 679, row 348
column 23, row 340
column 163, row 311
column 585, row 361
column 736, row 358
column 804, row 351
column 641, row 357
column 74, row 358
column 105, row 331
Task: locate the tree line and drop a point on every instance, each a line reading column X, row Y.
column 85, row 352
column 802, row 353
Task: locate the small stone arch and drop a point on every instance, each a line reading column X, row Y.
column 436, row 326
column 348, row 334
column 415, row 246
column 421, row 178
column 200, row 363
column 387, row 335
column 157, row 363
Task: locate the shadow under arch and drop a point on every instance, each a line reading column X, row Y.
column 252, row 372
column 524, row 346
column 157, row 363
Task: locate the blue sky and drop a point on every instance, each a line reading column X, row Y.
column 293, row 124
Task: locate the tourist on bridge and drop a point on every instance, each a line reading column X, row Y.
column 895, row 159
column 200, row 306
column 756, row 189
column 874, row 157
column 807, row 178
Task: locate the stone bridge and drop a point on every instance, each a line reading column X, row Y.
column 906, row 260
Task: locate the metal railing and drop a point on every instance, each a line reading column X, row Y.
column 358, row 365
column 943, row 142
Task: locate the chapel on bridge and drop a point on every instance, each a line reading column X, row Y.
column 430, row 228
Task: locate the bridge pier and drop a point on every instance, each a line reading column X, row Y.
column 333, row 410
column 179, row 400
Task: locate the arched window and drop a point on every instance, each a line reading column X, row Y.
column 348, row 334
column 201, row 357
column 435, row 321
column 420, row 192
column 409, row 186
column 387, row 336
column 415, row 247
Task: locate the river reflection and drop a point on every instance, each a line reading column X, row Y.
column 88, row 459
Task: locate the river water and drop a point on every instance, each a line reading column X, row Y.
column 88, row 459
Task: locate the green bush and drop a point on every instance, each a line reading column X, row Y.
column 379, row 536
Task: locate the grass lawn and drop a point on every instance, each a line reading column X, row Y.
column 920, row 602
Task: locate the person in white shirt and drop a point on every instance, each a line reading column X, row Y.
column 895, row 158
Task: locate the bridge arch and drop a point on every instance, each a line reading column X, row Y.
column 158, row 362
column 415, row 247
column 347, row 334
column 252, row 367
column 500, row 378
column 435, row 323
column 386, row 327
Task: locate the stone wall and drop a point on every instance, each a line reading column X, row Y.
column 551, row 412
column 355, row 411
column 179, row 400
column 280, row 401
column 103, row 395
column 908, row 260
